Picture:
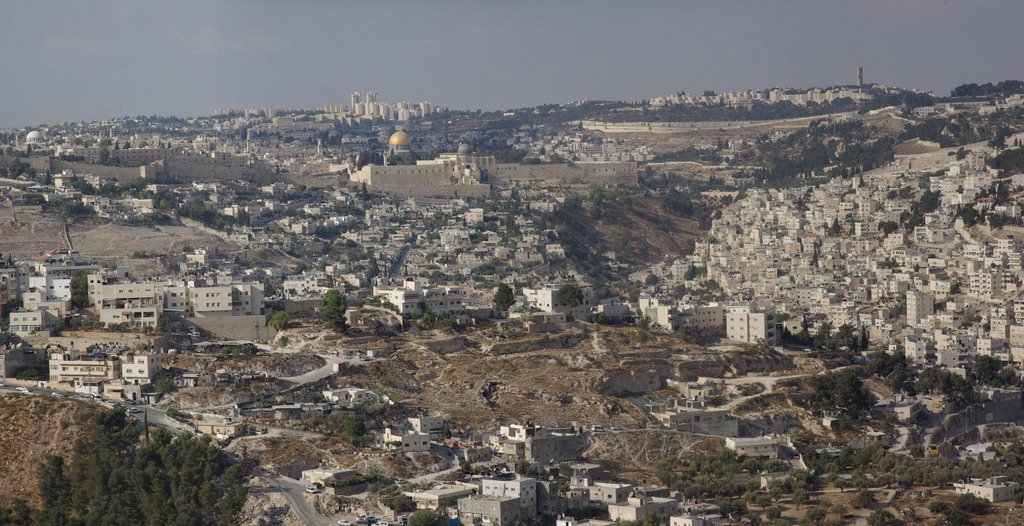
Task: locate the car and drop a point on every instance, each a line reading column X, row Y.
column 21, row 389
column 344, row 522
column 401, row 481
column 135, row 410
column 312, row 488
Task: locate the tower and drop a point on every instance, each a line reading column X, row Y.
column 860, row 77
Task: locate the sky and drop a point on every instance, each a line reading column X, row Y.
column 69, row 60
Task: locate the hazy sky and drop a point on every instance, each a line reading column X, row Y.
column 74, row 59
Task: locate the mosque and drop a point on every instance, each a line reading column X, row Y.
column 466, row 174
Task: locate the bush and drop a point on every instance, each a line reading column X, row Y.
column 400, row 504
column 279, row 321
column 163, row 382
column 426, row 518
column 881, row 518
column 969, row 503
column 31, row 372
column 864, row 499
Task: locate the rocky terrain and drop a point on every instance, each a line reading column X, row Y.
column 634, row 454
column 267, row 506
column 291, row 453
column 576, row 376
column 212, row 396
column 278, row 365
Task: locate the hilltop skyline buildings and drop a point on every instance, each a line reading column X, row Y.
column 79, row 62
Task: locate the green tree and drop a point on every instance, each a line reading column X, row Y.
column 968, row 503
column 569, row 295
column 426, row 518
column 335, row 306
column 864, row 499
column 881, row 518
column 80, row 289
column 400, row 503
column 163, row 382
column 114, row 479
column 279, row 321
column 835, row 229
column 354, row 427
column 56, row 490
column 504, row 298
column 163, row 324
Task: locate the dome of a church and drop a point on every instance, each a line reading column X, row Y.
column 464, row 149
column 399, row 138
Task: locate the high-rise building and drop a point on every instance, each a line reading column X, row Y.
column 357, row 98
column 920, row 305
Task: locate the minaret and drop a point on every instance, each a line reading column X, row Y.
column 860, row 77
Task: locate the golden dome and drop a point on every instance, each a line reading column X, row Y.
column 399, row 138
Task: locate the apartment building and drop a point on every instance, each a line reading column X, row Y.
column 986, row 283
column 407, row 442
column 415, row 297
column 750, row 324
column 136, row 305
column 28, row 322
column 490, row 511
column 236, row 299
column 73, row 367
column 545, row 299
column 920, row 305
column 638, row 508
column 140, row 369
column 524, row 489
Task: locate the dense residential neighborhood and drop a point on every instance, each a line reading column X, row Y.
column 537, row 279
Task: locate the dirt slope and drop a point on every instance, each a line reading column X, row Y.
column 32, row 427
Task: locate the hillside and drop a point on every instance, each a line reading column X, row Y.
column 32, row 427
column 640, row 231
column 481, row 379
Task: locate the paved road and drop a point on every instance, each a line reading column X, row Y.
column 396, row 267
column 769, row 383
column 295, row 492
column 318, row 374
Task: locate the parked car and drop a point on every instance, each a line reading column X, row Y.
column 21, row 389
column 312, row 488
column 344, row 522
